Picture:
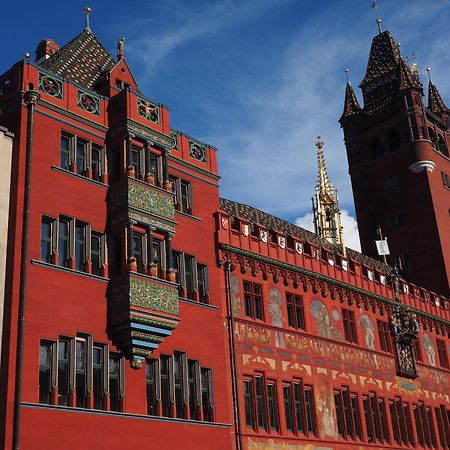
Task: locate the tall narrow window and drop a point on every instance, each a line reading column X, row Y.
column 96, row 163
column 65, row 152
column 80, row 372
column 193, row 374
column 339, row 413
column 156, row 257
column 165, row 386
column 178, row 383
column 419, row 426
column 442, row 352
column 260, row 408
column 296, row 318
column 189, row 275
column 272, row 404
column 96, row 254
column 150, row 379
column 46, row 239
column 287, row 399
column 369, row 420
column 206, row 380
column 63, row 372
column 97, row 376
column 80, row 256
column 137, row 250
column 248, row 402
column 63, row 243
column 45, row 372
column 136, row 161
column 114, row 383
column 186, row 194
column 348, row 318
column 298, row 408
column 81, row 157
column 202, row 282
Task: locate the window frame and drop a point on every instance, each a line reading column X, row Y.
column 252, row 299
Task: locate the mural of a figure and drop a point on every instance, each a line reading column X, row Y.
column 428, row 346
column 368, row 327
column 326, row 409
column 275, row 302
column 236, row 304
column 325, row 326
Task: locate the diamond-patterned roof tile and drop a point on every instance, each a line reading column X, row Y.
column 83, row 60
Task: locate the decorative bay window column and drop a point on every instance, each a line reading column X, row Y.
column 171, row 273
column 128, row 156
column 167, row 184
column 131, row 259
column 149, row 176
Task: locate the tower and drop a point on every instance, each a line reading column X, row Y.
column 327, row 215
column 397, row 150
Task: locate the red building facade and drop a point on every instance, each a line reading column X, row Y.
column 142, row 309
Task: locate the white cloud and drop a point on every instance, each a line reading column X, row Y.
column 351, row 235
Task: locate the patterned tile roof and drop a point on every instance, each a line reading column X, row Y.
column 351, row 105
column 83, row 60
column 384, row 57
column 254, row 215
column 435, row 102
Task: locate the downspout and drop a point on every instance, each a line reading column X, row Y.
column 228, row 267
column 31, row 98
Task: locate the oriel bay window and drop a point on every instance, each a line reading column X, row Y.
column 76, row 372
column 82, row 157
column 179, row 387
column 71, row 243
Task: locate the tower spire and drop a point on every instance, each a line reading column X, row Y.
column 351, row 105
column 327, row 215
column 435, row 102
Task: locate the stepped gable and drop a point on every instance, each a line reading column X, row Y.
column 255, row 215
column 83, row 60
column 384, row 57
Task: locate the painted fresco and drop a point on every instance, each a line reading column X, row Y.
column 430, row 351
column 369, row 334
column 275, row 302
column 236, row 304
column 271, row 444
column 325, row 408
column 326, row 324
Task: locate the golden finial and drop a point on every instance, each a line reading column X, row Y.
column 87, row 11
column 26, row 56
column 120, row 48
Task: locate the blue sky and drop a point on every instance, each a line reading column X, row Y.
column 258, row 79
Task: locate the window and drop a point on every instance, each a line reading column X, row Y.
column 253, row 300
column 417, row 350
column 202, row 283
column 401, row 422
column 45, row 372
column 385, row 336
column 183, row 194
column 445, row 179
column 443, row 425
column 296, row 317
column 299, row 408
column 82, row 157
column 389, row 183
column 65, row 236
column 347, row 414
column 348, row 318
column 64, row 367
column 260, row 403
column 423, row 419
column 375, row 417
column 178, row 387
column 396, row 221
column 442, row 352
